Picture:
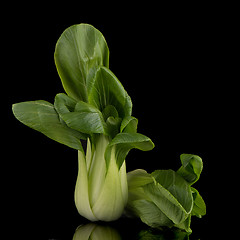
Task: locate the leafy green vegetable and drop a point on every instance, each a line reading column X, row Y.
column 165, row 197
column 96, row 108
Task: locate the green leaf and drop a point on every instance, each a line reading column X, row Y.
column 129, row 124
column 162, row 198
column 42, row 116
column 166, row 192
column 80, row 50
column 124, row 142
column 86, row 119
column 109, row 111
column 113, row 125
column 171, row 194
column 149, row 213
column 185, row 225
column 138, row 178
column 142, row 206
column 107, row 90
column 191, row 169
column 64, row 104
column 199, row 206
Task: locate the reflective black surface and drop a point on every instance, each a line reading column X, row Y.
column 170, row 80
column 107, row 232
column 61, row 228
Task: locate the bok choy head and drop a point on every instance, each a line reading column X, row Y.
column 95, row 108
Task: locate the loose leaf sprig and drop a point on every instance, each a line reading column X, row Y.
column 165, row 198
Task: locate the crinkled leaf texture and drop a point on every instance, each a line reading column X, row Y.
column 165, row 197
column 171, row 194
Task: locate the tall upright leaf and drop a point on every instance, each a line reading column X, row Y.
column 80, row 50
column 108, row 90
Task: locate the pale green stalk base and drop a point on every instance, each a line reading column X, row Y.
column 100, row 194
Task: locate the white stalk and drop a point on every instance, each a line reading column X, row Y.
column 100, row 194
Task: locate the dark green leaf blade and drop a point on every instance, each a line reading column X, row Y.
column 176, row 185
column 199, row 206
column 191, row 169
column 108, row 90
column 86, row 119
column 64, row 104
column 113, row 125
column 129, row 124
column 124, row 142
column 42, row 116
column 172, row 194
column 109, row 111
column 149, row 213
column 185, row 225
column 164, row 195
column 80, row 50
column 139, row 204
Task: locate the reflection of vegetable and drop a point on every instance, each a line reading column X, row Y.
column 153, row 234
column 97, row 109
column 94, row 231
column 165, row 197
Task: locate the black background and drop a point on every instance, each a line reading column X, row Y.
column 170, row 63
